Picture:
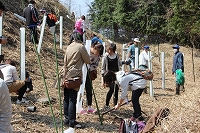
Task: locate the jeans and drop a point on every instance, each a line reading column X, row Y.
column 88, row 89
column 135, row 101
column 113, row 89
column 69, row 102
column 33, row 34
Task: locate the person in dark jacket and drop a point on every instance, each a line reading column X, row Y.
column 178, row 63
column 32, row 20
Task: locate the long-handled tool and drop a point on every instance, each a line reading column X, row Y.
column 112, row 109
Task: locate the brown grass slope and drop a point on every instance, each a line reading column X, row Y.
column 184, row 116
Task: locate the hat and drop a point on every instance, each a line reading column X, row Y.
column 42, row 10
column 136, row 40
column 176, row 46
column 146, row 47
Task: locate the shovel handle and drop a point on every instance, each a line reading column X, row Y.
column 113, row 109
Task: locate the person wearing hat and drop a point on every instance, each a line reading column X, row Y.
column 131, row 52
column 143, row 58
column 51, row 21
column 178, row 63
column 32, row 20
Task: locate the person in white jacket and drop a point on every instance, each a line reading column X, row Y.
column 143, row 58
column 12, row 80
column 137, row 84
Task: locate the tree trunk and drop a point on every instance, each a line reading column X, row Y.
column 115, row 27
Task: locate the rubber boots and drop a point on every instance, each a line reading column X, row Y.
column 177, row 89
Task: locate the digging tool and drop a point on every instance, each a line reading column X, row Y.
column 113, row 109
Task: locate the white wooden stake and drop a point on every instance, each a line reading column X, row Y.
column 150, row 82
column 124, row 53
column 42, row 33
column 163, row 69
column 136, row 57
column 22, row 53
column 1, row 24
column 82, row 87
column 61, row 31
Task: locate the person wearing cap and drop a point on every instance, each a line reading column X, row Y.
column 135, row 82
column 51, row 21
column 178, row 63
column 143, row 58
column 32, row 20
column 131, row 52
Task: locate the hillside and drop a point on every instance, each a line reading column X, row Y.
column 184, row 109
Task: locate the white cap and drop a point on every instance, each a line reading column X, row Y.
column 136, row 40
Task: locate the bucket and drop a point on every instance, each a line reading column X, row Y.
column 31, row 108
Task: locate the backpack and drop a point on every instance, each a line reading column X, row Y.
column 146, row 74
column 52, row 17
column 78, row 23
column 156, row 119
column 180, row 77
column 128, row 126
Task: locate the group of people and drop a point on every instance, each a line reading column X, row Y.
column 112, row 77
column 10, row 83
column 75, row 56
column 32, row 20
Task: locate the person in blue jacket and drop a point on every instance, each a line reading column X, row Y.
column 96, row 39
column 178, row 63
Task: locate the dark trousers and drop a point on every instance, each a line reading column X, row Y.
column 88, row 89
column 135, row 101
column 21, row 91
column 33, row 34
column 113, row 89
column 69, row 102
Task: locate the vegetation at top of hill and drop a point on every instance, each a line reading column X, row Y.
column 175, row 20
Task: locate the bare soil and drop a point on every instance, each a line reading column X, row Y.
column 184, row 109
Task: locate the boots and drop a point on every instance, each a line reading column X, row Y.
column 177, row 89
